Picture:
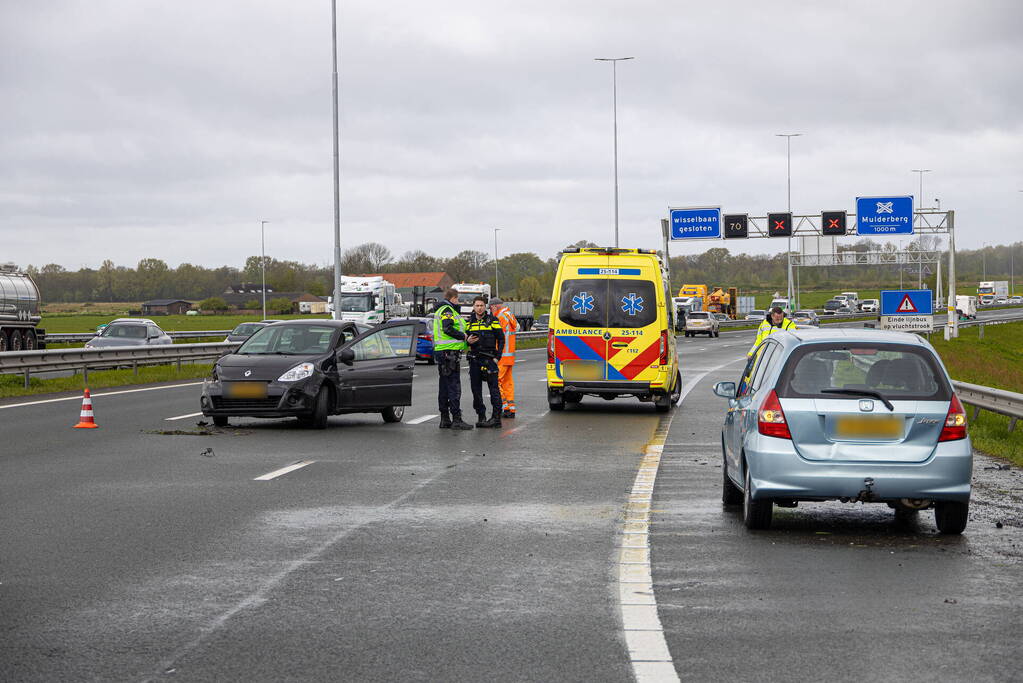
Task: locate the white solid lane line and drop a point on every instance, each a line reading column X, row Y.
column 181, row 417
column 107, row 393
column 421, row 420
column 284, row 470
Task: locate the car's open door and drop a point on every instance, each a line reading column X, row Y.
column 382, row 362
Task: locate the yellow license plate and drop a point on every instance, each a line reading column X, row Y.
column 582, row 371
column 245, row 389
column 869, row 428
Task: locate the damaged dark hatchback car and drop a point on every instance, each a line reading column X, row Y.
column 311, row 369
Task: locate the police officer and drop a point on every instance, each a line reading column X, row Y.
column 774, row 321
column 449, row 340
column 486, row 343
column 509, row 325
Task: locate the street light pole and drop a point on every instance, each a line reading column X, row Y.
column 262, row 260
column 920, row 277
column 614, row 107
column 497, row 282
column 337, row 170
column 788, row 179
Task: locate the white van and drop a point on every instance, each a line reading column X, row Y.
column 853, row 299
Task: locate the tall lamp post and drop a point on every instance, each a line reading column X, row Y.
column 497, row 282
column 614, row 107
column 788, row 177
column 920, row 172
column 337, row 170
column 262, row 261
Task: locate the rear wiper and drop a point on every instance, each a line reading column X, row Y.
column 862, row 392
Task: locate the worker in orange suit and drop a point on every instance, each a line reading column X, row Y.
column 507, row 361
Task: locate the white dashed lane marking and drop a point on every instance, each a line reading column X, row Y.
column 182, row 417
column 284, row 470
column 421, row 420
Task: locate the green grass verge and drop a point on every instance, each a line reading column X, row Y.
column 14, row 385
column 78, row 323
column 994, row 361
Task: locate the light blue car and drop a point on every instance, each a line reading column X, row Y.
column 851, row 415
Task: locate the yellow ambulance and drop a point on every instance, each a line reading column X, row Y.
column 611, row 331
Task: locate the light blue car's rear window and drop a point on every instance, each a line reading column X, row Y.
column 897, row 371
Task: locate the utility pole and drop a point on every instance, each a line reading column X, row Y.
column 788, row 176
column 337, row 170
column 497, row 282
column 262, row 261
column 614, row 107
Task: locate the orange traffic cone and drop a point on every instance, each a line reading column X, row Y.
column 86, row 421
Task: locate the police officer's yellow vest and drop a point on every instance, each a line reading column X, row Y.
column 441, row 341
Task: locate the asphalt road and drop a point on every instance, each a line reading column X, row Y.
column 404, row 552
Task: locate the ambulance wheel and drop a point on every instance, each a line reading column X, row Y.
column 220, row 420
column 718, row 333
column 572, row 399
column 555, row 400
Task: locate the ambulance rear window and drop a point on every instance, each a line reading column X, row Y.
column 615, row 303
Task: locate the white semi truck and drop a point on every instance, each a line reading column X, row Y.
column 989, row 292
column 369, row 300
column 467, row 291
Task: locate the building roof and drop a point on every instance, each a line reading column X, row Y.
column 165, row 302
column 408, row 280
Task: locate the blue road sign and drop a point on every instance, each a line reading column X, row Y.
column 695, row 223
column 884, row 215
column 907, row 302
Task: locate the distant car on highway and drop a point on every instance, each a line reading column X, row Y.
column 702, row 322
column 542, row 323
column 424, row 341
column 870, row 306
column 837, row 306
column 852, row 415
column 720, row 317
column 129, row 332
column 806, row 317
column 311, row 369
column 756, row 314
column 1001, row 300
column 246, row 330
column 1016, row 299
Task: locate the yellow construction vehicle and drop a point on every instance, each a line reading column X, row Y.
column 717, row 301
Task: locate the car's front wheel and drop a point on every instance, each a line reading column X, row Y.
column 393, row 414
column 318, row 418
column 950, row 516
column 730, row 493
column 756, row 514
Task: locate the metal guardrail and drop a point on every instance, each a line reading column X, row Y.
column 72, row 337
column 994, row 400
column 27, row 362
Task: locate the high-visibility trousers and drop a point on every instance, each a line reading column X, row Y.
column 507, row 385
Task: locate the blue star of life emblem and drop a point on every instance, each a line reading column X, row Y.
column 582, row 303
column 632, row 304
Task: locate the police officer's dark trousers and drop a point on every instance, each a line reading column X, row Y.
column 449, row 389
column 483, row 369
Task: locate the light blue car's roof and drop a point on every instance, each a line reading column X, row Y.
column 808, row 335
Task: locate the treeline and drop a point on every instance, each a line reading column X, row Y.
column 522, row 275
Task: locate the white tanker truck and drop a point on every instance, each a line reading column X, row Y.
column 19, row 311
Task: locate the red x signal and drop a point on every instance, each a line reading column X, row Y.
column 779, row 225
column 833, row 223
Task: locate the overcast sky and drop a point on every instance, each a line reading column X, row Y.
column 140, row 128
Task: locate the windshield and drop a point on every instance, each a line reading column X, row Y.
column 356, row 303
column 125, row 331
column 465, row 298
column 897, row 371
column 289, row 340
column 245, row 329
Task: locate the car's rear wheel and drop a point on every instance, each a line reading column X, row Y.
column 756, row 514
column 220, row 420
column 730, row 493
column 393, row 414
column 555, row 400
column 718, row 333
column 951, row 516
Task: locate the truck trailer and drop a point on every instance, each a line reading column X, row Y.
column 19, row 311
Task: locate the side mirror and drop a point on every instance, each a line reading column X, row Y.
column 346, row 356
column 725, row 389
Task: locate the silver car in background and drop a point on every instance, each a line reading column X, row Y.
column 129, row 332
column 852, row 415
column 702, row 322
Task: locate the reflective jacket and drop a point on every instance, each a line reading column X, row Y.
column 509, row 325
column 767, row 328
column 491, row 337
column 448, row 329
